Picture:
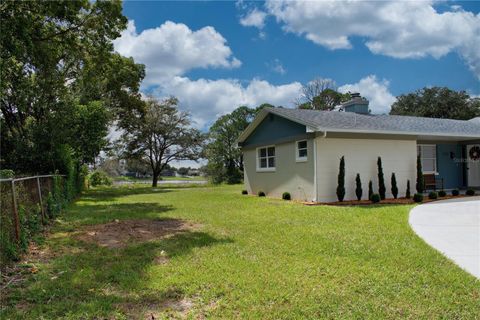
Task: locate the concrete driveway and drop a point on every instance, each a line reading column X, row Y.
column 453, row 228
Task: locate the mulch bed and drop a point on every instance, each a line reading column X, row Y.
column 391, row 201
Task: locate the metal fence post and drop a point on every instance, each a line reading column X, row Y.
column 40, row 198
column 16, row 220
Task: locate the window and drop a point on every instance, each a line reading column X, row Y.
column 428, row 156
column 302, row 152
column 266, row 159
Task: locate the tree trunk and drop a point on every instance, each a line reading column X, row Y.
column 155, row 179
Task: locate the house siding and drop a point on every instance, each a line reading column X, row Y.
column 291, row 176
column 274, row 129
column 361, row 155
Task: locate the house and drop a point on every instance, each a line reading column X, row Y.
column 298, row 151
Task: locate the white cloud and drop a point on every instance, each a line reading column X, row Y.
column 173, row 49
column 375, row 91
column 254, row 18
column 400, row 29
column 208, row 99
column 277, row 66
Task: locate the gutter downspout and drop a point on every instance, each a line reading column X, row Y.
column 315, row 177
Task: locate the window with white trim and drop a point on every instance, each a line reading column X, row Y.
column 266, row 158
column 428, row 157
column 301, row 151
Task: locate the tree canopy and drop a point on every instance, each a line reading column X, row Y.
column 437, row 102
column 61, row 83
column 225, row 160
column 321, row 94
column 161, row 135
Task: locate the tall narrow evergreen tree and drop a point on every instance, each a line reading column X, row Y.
column 341, row 180
column 394, row 186
column 420, row 184
column 381, row 181
column 358, row 189
column 408, row 194
column 370, row 190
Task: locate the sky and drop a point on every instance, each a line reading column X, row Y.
column 217, row 55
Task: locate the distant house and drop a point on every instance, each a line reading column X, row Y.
column 298, row 151
column 193, row 172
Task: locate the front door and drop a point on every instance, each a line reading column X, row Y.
column 473, row 165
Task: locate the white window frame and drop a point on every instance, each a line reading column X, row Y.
column 428, row 158
column 297, row 150
column 257, row 156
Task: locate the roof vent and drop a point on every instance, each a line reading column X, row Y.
column 356, row 104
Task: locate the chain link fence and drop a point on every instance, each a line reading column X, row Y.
column 26, row 205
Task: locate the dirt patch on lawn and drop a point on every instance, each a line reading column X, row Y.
column 147, row 308
column 119, row 234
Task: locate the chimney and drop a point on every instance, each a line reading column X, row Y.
column 356, row 104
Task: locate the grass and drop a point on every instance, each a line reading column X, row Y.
column 254, row 258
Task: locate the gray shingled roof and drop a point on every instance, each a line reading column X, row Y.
column 349, row 121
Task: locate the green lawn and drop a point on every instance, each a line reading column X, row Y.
column 249, row 257
column 149, row 180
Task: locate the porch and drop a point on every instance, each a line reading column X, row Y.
column 450, row 165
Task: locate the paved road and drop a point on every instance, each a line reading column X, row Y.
column 453, row 228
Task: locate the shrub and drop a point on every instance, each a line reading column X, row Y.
column 234, row 175
column 6, row 174
column 470, row 192
column 261, row 194
column 341, row 180
column 394, row 186
column 407, row 194
column 442, row 193
column 370, row 190
column 420, row 183
column 99, row 178
column 244, row 192
column 418, row 197
column 455, row 192
column 433, row 195
column 286, row 196
column 375, row 198
column 358, row 189
column 381, row 181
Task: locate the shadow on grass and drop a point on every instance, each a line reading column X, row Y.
column 80, row 213
column 110, row 194
column 98, row 282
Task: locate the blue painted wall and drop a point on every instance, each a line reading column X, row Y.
column 274, row 128
column 450, row 170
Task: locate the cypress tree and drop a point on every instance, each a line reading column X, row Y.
column 381, row 182
column 407, row 194
column 358, row 189
column 420, row 185
column 394, row 186
column 370, row 190
column 341, row 180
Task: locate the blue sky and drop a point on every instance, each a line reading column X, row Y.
column 215, row 56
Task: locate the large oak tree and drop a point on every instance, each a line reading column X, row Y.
column 61, row 82
column 161, row 135
column 437, row 102
column 225, row 159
